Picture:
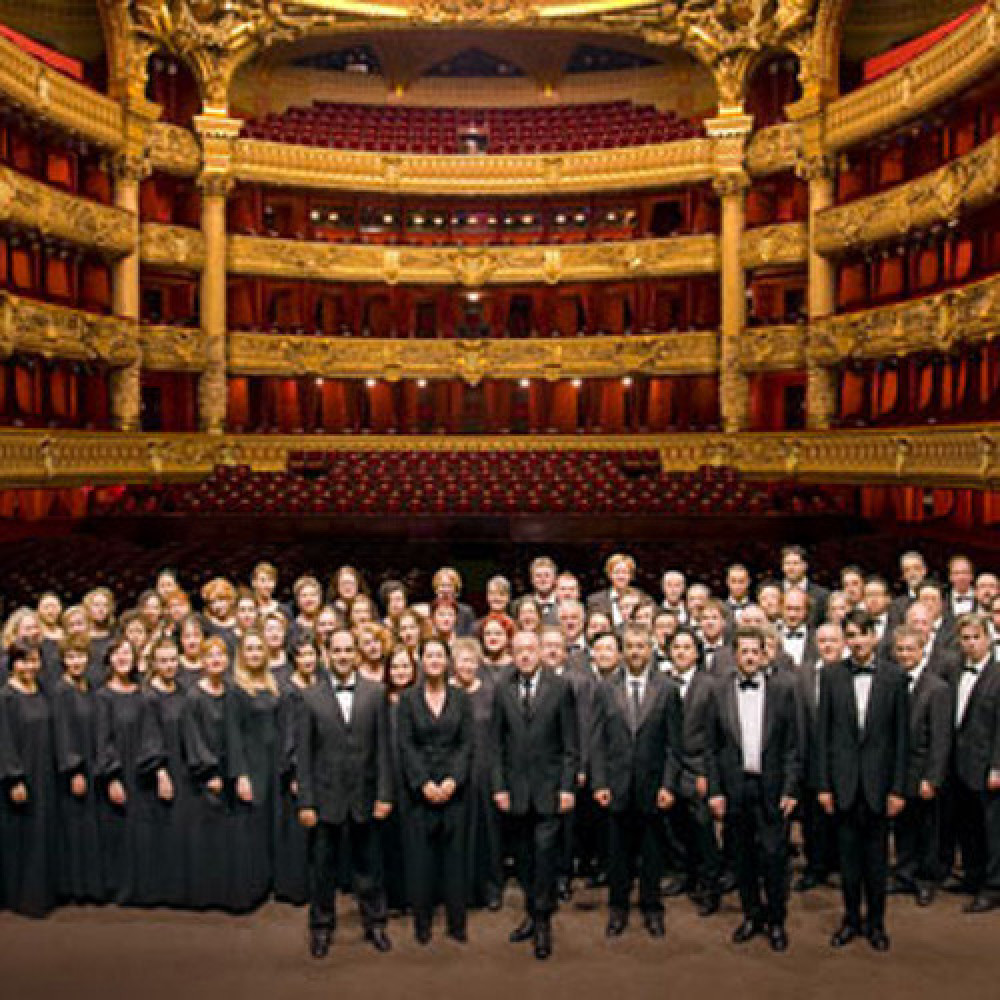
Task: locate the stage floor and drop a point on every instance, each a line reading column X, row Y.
column 149, row 955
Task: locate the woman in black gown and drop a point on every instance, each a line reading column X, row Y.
column 164, row 798
column 219, row 596
column 484, row 846
column 217, row 770
column 291, row 838
column 255, row 698
column 191, row 638
column 402, row 673
column 435, row 737
column 74, row 711
column 28, row 806
column 119, row 734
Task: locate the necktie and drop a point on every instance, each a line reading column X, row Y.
column 636, row 688
column 749, row 684
column 526, row 697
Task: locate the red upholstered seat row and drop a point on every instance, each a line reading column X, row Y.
column 492, row 130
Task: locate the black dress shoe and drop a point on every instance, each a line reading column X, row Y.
column 494, row 900
column 524, row 931
column 981, row 903
column 564, row 890
column 319, row 943
column 778, row 937
column 727, row 882
column 955, row 884
column 878, row 939
column 747, row 930
column 925, row 895
column 676, row 886
column 709, row 904
column 654, row 925
column 458, row 934
column 807, row 881
column 617, row 922
column 379, row 939
column 844, row 935
column 422, row 932
column 543, row 940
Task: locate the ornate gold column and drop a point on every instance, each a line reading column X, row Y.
column 215, row 183
column 820, row 380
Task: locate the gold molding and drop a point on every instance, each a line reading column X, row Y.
column 773, row 348
column 179, row 248
column 473, row 266
column 687, row 161
column 966, row 456
column 936, row 323
column 474, row 360
column 172, row 349
column 942, row 196
column 782, row 245
column 173, row 150
column 774, row 149
column 51, row 331
column 957, row 61
column 29, row 204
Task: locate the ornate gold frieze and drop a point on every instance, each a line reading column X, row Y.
column 473, row 360
column 39, row 328
column 30, row 204
column 962, row 456
column 955, row 62
column 773, row 348
column 687, row 161
column 173, row 150
column 781, row 245
column 179, row 248
column 473, row 266
column 172, row 348
column 54, row 98
column 936, row 323
column 938, row 197
column 774, row 149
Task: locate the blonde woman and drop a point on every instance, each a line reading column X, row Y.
column 25, row 627
column 374, row 645
column 99, row 604
column 50, row 611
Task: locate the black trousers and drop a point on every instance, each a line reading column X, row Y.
column 977, row 826
column 635, row 836
column 534, row 839
column 694, row 827
column 916, row 834
column 819, row 836
column 759, row 837
column 363, row 843
column 583, row 846
column 863, row 842
column 438, row 865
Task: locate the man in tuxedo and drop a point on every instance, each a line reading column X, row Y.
column 961, row 599
column 797, row 638
column 572, row 620
column 795, row 569
column 976, row 763
column 716, row 652
column 635, row 768
column 933, row 597
column 543, row 574
column 818, row 832
column 674, row 585
column 567, row 587
column 877, row 601
column 690, row 819
column 344, row 772
column 753, row 778
column 852, row 583
column 737, row 591
column 534, row 771
column 913, row 569
column 861, row 771
column 942, row 658
column 620, row 569
column 917, row 828
column 987, row 590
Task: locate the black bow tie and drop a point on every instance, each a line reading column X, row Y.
column 861, row 671
column 348, row 688
column 797, row 633
column 910, row 678
column 970, row 670
column 749, row 684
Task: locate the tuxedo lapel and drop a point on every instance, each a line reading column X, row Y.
column 653, row 684
column 731, row 712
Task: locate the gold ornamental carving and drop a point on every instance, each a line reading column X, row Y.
column 774, row 149
column 473, row 266
column 773, row 348
column 172, row 349
column 941, row 196
column 32, row 205
column 173, row 150
column 177, row 248
column 784, row 244
column 49, row 331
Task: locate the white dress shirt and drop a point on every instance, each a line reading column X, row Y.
column 635, row 691
column 962, row 604
column 971, row 672
column 862, row 692
column 750, row 709
column 683, row 681
column 344, row 692
column 794, row 641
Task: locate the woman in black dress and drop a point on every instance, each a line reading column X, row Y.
column 275, row 627
column 191, row 638
column 74, row 711
column 255, row 699
column 219, row 596
column 435, row 737
column 217, row 770
column 119, row 735
column 484, row 846
column 28, row 806
column 291, row 844
column 164, row 798
column 402, row 674
column 99, row 604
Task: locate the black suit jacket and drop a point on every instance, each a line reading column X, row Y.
column 781, row 769
column 870, row 762
column 534, row 758
column 433, row 748
column 636, row 765
column 343, row 769
column 584, row 684
column 601, row 601
column 694, row 734
column 930, row 721
column 465, row 621
column 807, row 704
column 977, row 739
